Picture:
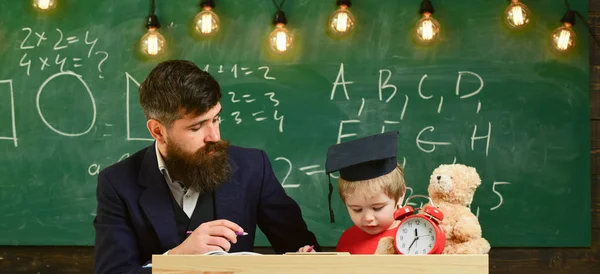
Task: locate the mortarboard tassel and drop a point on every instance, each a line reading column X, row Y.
column 331, row 216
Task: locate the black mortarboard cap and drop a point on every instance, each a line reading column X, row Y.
column 362, row 159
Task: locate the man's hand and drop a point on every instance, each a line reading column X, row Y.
column 210, row 236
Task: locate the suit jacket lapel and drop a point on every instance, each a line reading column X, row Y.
column 156, row 201
column 230, row 197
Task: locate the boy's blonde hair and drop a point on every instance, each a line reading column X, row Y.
column 392, row 184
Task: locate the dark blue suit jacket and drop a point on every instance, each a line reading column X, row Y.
column 135, row 217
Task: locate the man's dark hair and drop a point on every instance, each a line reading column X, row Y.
column 175, row 86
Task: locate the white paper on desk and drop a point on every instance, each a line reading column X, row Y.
column 221, row 252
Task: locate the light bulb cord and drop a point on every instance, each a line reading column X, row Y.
column 279, row 17
column 569, row 11
column 426, row 6
column 346, row 3
column 207, row 3
column 152, row 20
column 278, row 6
column 588, row 27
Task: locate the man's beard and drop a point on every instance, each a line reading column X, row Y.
column 204, row 171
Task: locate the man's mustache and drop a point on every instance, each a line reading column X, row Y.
column 219, row 146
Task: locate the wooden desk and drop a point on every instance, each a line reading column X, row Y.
column 317, row 264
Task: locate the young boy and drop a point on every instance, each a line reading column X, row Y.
column 372, row 186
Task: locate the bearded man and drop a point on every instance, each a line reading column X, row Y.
column 190, row 192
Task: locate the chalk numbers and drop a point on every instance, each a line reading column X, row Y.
column 58, row 42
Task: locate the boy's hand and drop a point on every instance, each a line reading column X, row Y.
column 307, row 248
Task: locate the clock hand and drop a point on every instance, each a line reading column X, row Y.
column 415, row 240
column 411, row 244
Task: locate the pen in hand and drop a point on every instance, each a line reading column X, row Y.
column 238, row 233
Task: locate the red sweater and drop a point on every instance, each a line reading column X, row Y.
column 356, row 241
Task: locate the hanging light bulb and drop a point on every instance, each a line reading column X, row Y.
column 152, row 43
column 206, row 23
column 44, row 4
column 563, row 38
column 428, row 28
column 341, row 21
column 516, row 15
column 280, row 39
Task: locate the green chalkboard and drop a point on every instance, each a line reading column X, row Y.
column 499, row 100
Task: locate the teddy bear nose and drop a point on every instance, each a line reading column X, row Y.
column 439, row 177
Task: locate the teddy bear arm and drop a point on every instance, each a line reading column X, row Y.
column 450, row 220
column 448, row 230
column 467, row 227
column 386, row 246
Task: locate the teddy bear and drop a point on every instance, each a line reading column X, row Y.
column 451, row 188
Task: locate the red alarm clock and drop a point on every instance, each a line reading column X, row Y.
column 419, row 233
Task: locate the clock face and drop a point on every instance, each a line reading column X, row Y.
column 415, row 236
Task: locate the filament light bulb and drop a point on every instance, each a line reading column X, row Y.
column 280, row 39
column 44, row 4
column 153, row 43
column 563, row 38
column 516, row 15
column 428, row 29
column 341, row 21
column 206, row 22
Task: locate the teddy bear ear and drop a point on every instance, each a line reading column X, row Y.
column 472, row 173
column 473, row 170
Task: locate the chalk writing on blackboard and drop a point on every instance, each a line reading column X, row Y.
column 85, row 88
column 287, row 174
column 386, row 85
column 57, row 43
column 340, row 81
column 260, row 114
column 501, row 199
column 95, row 168
column 460, row 74
column 246, row 71
column 312, row 169
column 131, row 80
column 11, row 100
column 432, row 144
column 426, row 140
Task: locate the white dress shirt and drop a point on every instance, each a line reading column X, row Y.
column 186, row 198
